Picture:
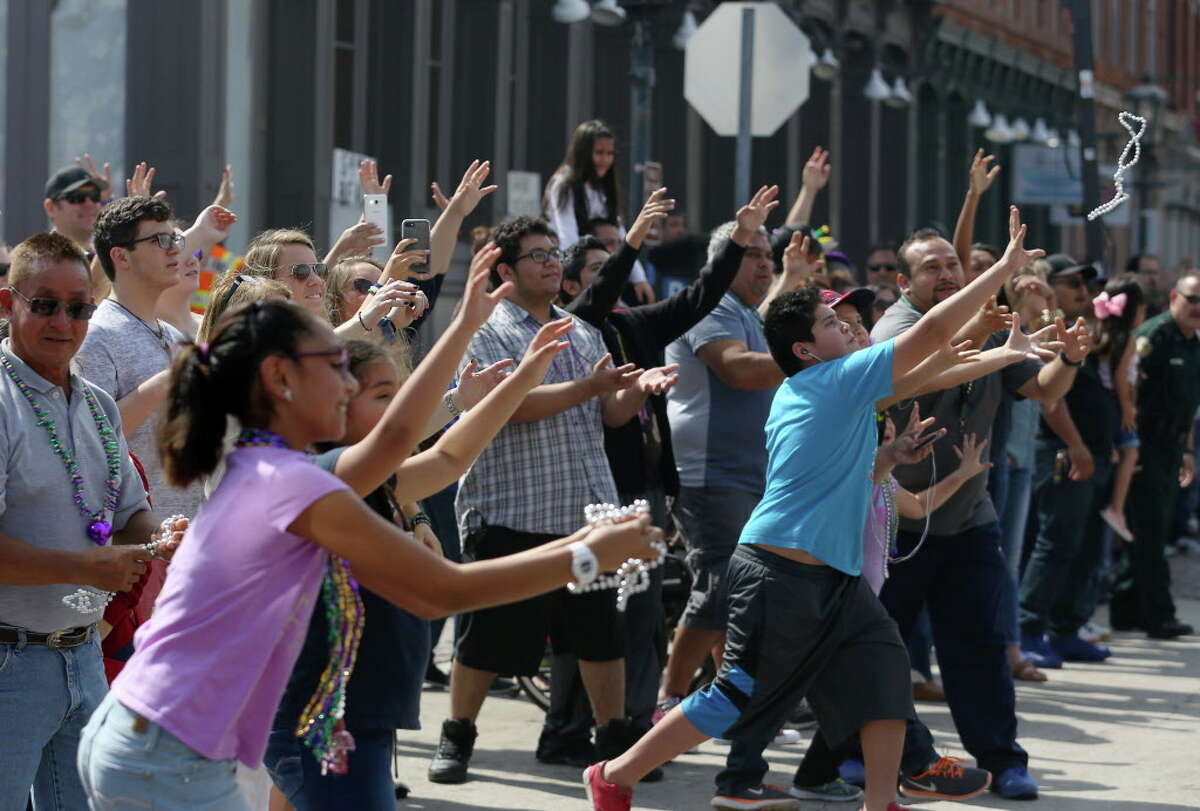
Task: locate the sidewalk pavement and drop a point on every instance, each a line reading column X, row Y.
column 1117, row 736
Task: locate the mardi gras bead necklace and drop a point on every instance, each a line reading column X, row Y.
column 321, row 724
column 633, row 576
column 90, row 600
column 1127, row 120
column 99, row 527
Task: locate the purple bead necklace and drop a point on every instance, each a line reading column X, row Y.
column 99, row 528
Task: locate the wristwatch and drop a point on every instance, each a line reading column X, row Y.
column 584, row 566
column 1063, row 357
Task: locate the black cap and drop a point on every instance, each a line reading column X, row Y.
column 781, row 237
column 1063, row 265
column 70, row 178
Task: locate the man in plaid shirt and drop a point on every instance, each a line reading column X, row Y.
column 530, row 486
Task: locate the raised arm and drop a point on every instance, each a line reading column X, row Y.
column 815, row 177
column 940, row 324
column 981, row 176
column 799, row 265
column 368, row 463
column 466, row 197
column 555, row 398
column 1055, row 379
column 971, row 464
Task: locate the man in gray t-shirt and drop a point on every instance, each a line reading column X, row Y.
column 959, row 571
column 128, row 351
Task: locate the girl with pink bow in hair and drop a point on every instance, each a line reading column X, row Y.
column 1120, row 310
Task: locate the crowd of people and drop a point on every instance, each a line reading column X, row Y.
column 229, row 540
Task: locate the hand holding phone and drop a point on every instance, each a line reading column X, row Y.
column 417, row 230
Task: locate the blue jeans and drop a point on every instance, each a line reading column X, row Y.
column 128, row 762
column 46, row 696
column 960, row 577
column 1060, row 578
column 1013, row 517
column 367, row 786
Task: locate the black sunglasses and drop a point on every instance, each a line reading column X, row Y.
column 4, row 266
column 878, row 266
column 1073, row 282
column 48, row 307
column 1191, row 299
column 302, row 272
column 79, row 195
column 342, row 355
column 237, row 281
column 363, row 286
column 162, row 239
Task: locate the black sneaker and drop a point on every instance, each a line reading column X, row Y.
column 947, row 779
column 614, row 738
column 555, row 751
column 454, row 751
column 1170, row 630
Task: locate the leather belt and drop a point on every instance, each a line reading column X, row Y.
column 67, row 638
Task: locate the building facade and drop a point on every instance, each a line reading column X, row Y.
column 281, row 88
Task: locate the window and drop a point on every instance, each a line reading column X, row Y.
column 350, row 74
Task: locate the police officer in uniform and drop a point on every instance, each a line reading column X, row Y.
column 1168, row 394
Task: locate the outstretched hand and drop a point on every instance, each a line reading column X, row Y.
column 970, row 456
column 606, row 378
column 799, row 260
column 753, row 215
column 105, row 175
column 913, row 444
column 141, row 183
column 470, row 189
column 659, row 380
column 1016, row 255
column 477, row 302
column 475, row 383
column 982, row 172
column 212, row 226
column 225, row 197
column 816, row 170
column 542, row 350
column 368, row 178
column 655, row 210
column 1041, row 345
column 1076, row 339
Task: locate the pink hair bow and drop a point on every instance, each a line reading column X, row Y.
column 1104, row 306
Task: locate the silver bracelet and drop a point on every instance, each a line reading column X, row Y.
column 449, row 404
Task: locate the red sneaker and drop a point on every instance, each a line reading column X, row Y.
column 605, row 796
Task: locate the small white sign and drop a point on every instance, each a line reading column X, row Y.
column 524, row 193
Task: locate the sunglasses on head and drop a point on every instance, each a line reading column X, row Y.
column 363, row 286
column 878, row 266
column 79, row 195
column 302, row 272
column 48, row 307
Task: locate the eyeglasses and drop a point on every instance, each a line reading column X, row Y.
column 302, row 272
column 48, row 307
column 4, row 266
column 162, row 239
column 363, row 286
column 343, row 357
column 541, row 256
column 79, row 195
column 1190, row 299
column 878, row 266
column 1073, row 282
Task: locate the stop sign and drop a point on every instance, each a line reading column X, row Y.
column 712, row 68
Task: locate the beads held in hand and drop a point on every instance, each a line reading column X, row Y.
column 88, row 601
column 633, row 576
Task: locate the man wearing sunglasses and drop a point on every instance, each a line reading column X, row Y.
column 128, row 350
column 73, row 202
column 1070, row 282
column 51, row 669
column 883, row 265
column 1168, row 394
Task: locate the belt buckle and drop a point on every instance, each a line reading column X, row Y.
column 54, row 638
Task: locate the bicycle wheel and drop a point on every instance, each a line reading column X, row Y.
column 537, row 686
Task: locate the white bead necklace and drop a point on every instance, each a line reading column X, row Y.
column 90, row 600
column 633, row 576
column 1127, row 120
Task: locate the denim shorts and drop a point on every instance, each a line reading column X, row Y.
column 125, row 762
column 1127, row 439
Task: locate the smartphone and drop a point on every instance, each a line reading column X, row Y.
column 936, row 435
column 375, row 211
column 418, row 230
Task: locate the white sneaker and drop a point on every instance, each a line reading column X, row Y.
column 786, row 737
column 1095, row 632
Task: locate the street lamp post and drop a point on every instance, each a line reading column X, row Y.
column 1148, row 101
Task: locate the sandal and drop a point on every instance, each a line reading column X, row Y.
column 1025, row 670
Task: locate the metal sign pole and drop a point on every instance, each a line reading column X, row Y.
column 741, row 187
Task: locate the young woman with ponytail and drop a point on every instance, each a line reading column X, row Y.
column 211, row 664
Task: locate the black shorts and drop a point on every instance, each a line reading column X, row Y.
column 511, row 639
column 799, row 630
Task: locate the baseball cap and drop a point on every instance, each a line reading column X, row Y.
column 859, row 297
column 1063, row 265
column 70, row 178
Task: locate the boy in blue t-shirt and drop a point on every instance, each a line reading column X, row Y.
column 802, row 622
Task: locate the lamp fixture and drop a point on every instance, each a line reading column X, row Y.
column 901, row 97
column 1053, row 139
column 876, row 88
column 571, row 11
column 1000, row 132
column 1073, row 139
column 687, row 27
column 826, row 68
column 1040, row 133
column 1020, row 129
column 980, row 117
column 607, row 12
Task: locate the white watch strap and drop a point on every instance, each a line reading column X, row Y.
column 584, row 566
